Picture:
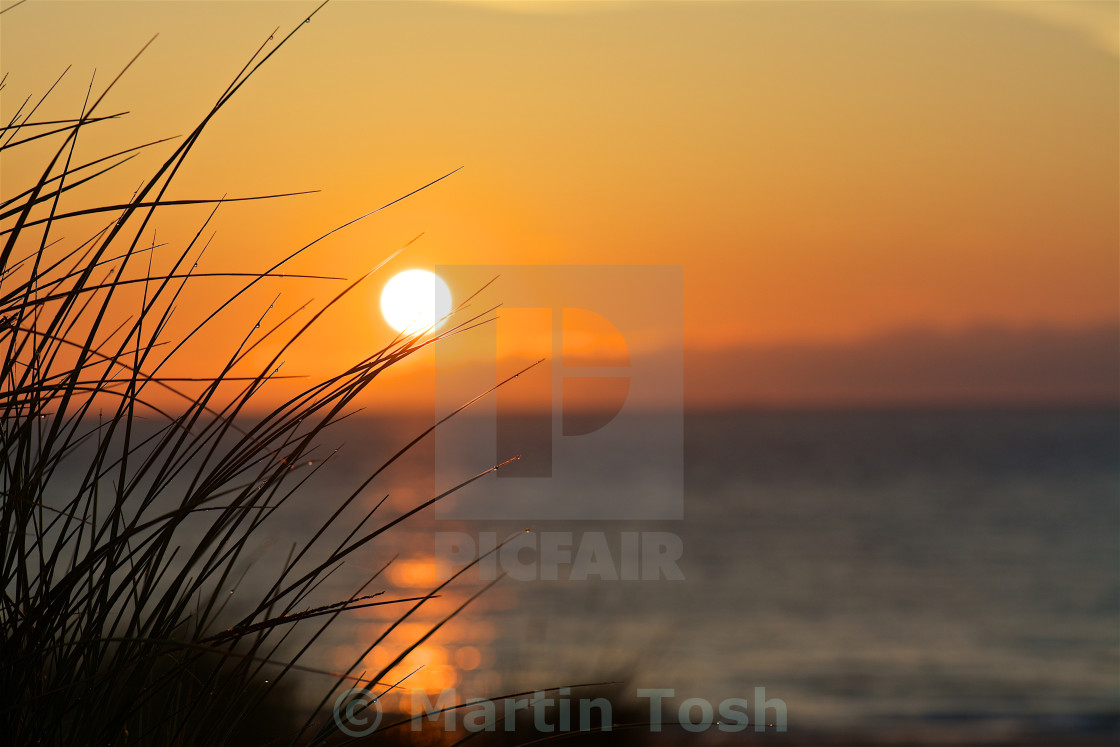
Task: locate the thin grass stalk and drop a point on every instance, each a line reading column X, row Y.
column 113, row 631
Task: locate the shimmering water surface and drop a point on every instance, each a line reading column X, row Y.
column 865, row 567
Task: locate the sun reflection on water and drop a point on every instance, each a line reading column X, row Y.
column 458, row 656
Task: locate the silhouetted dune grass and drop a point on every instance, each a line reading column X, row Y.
column 127, row 521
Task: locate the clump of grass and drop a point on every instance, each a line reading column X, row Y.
column 127, row 521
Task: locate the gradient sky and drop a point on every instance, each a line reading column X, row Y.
column 827, row 174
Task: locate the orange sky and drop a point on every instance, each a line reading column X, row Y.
column 825, row 173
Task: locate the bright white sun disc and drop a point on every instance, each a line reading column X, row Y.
column 415, row 300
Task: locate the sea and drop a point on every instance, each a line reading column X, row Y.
column 949, row 574
column 912, row 575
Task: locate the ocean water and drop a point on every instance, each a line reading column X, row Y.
column 876, row 571
column 953, row 573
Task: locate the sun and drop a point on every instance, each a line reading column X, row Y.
column 414, row 300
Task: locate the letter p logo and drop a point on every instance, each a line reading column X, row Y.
column 597, row 423
column 584, row 380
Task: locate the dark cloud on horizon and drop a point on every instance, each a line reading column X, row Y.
column 981, row 365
